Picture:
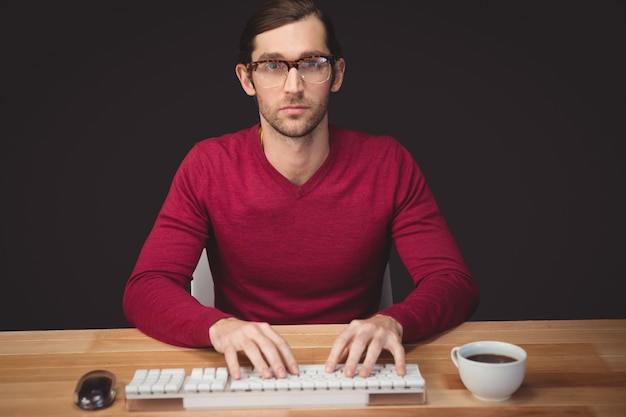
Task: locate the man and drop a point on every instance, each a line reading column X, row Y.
column 298, row 217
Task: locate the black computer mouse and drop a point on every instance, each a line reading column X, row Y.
column 95, row 390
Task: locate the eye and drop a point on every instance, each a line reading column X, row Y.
column 271, row 66
column 313, row 63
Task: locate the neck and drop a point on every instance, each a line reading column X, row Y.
column 297, row 159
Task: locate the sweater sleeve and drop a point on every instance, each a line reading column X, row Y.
column 445, row 293
column 156, row 299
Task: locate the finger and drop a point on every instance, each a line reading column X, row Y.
column 277, row 352
column 232, row 363
column 357, row 349
column 288, row 359
column 371, row 357
column 397, row 350
column 339, row 350
column 257, row 359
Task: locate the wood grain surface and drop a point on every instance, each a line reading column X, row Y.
column 574, row 368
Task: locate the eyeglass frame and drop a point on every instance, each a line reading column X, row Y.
column 252, row 66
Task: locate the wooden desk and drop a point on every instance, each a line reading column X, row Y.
column 575, row 368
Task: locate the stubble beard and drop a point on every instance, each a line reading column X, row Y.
column 297, row 127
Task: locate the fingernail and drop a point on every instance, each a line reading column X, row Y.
column 293, row 368
column 266, row 373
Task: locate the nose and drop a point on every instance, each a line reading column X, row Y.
column 294, row 82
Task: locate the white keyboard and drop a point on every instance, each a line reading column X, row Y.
column 212, row 388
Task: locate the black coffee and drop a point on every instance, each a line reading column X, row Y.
column 491, row 358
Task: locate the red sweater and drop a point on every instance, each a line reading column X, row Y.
column 293, row 255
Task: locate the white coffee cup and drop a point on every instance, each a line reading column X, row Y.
column 490, row 381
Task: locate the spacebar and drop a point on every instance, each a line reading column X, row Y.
column 277, row 399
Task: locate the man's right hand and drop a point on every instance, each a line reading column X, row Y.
column 268, row 352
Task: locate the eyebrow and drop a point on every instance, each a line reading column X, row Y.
column 276, row 55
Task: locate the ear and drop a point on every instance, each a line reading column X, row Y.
column 245, row 80
column 340, row 69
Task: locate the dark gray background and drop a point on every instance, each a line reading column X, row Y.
column 514, row 110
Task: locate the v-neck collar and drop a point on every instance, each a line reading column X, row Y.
column 297, row 191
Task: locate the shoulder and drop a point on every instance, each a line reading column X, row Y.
column 227, row 141
column 219, row 154
column 358, row 137
column 373, row 146
column 226, row 149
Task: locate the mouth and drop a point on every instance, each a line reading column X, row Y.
column 293, row 110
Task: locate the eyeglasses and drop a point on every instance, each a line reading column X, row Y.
column 272, row 73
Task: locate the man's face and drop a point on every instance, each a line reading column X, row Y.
column 295, row 108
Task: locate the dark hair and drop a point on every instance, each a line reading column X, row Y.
column 276, row 13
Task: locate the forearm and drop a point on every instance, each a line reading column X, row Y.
column 440, row 302
column 164, row 310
